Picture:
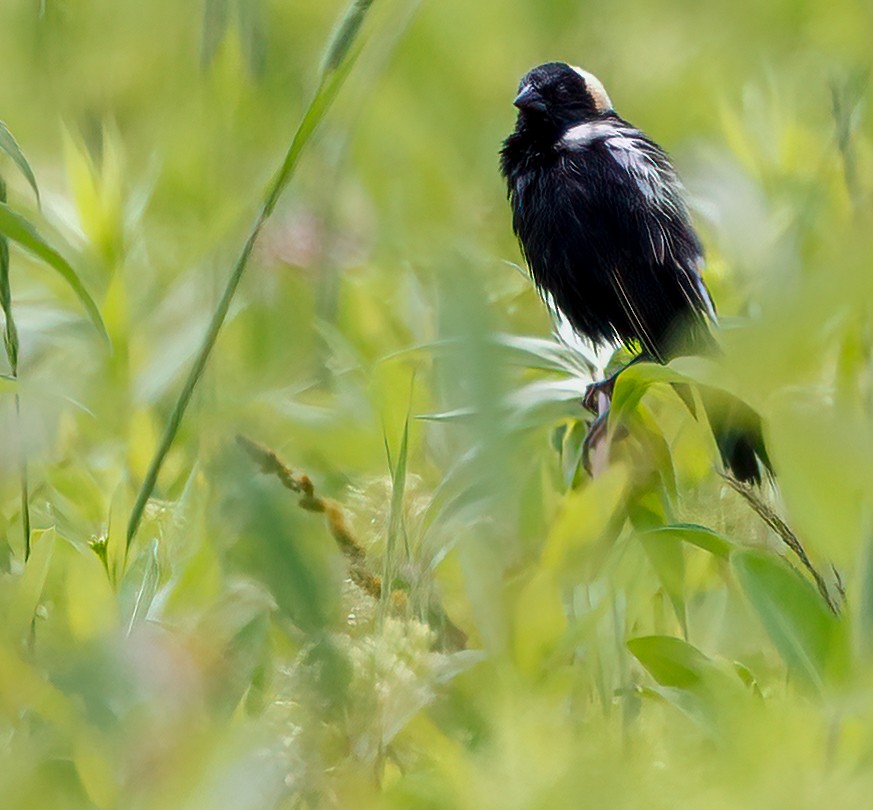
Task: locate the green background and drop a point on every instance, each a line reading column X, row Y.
column 544, row 639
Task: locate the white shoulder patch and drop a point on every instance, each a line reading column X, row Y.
column 630, row 156
column 582, row 135
column 656, row 181
column 602, row 102
column 650, row 171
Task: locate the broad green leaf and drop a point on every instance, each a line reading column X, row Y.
column 676, row 664
column 688, row 703
column 670, row 661
column 17, row 228
column 10, row 146
column 691, row 533
column 810, row 639
column 633, row 383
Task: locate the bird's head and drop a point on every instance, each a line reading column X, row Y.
column 556, row 96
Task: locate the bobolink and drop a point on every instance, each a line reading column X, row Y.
column 600, row 215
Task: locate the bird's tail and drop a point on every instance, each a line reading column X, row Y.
column 737, row 430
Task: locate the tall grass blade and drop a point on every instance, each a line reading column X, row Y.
column 329, row 86
column 344, row 36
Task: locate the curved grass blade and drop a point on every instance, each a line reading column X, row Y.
column 20, row 230
column 10, row 146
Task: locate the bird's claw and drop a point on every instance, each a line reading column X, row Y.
column 595, row 435
column 591, row 398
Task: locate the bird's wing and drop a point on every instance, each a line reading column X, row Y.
column 671, row 235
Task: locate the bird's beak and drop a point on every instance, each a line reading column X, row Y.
column 530, row 99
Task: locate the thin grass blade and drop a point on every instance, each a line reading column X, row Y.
column 10, row 146
column 318, row 107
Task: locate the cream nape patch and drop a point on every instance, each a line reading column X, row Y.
column 602, row 102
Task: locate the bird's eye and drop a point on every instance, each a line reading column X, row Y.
column 563, row 93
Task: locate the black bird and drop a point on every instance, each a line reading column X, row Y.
column 600, row 214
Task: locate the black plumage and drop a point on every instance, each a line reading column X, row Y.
column 600, row 215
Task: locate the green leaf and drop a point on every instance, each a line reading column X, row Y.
column 670, row 661
column 139, row 586
column 10, row 146
column 530, row 405
column 20, row 230
column 634, row 381
column 28, row 591
column 695, row 535
column 810, row 639
column 550, row 355
column 668, row 561
column 704, row 689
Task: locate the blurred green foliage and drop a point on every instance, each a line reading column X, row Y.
column 530, row 636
